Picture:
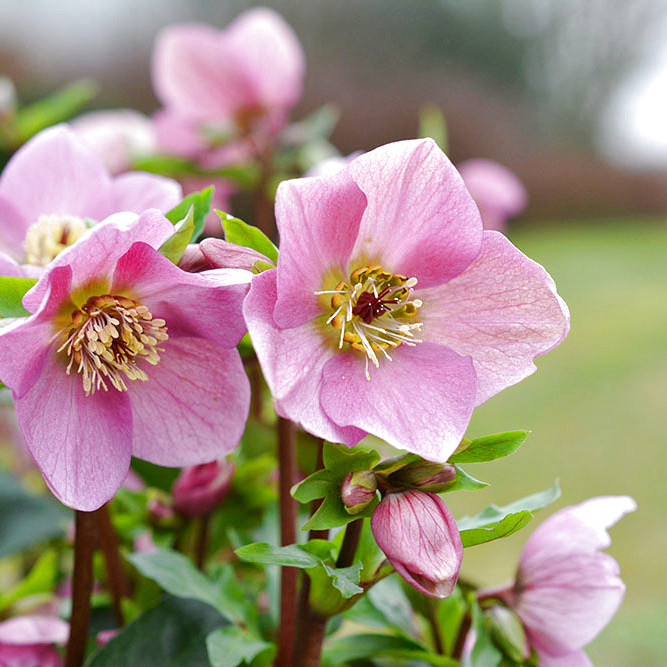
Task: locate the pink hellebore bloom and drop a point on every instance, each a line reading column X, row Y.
column 28, row 641
column 52, row 186
column 418, row 534
column 391, row 311
column 198, row 490
column 497, row 191
column 220, row 84
column 125, row 355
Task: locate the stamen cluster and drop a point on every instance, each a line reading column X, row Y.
column 50, row 235
column 107, row 338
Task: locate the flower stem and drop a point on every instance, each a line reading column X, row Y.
column 435, row 627
column 115, row 576
column 201, row 540
column 461, row 638
column 82, row 586
column 288, row 575
column 350, row 543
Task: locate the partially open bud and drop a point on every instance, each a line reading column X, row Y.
column 358, row 490
column 425, row 476
column 198, row 490
column 419, row 536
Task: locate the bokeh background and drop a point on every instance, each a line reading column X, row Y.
column 572, row 96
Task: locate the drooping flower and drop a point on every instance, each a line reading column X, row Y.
column 391, row 311
column 497, row 191
column 418, row 534
column 220, row 85
column 198, row 490
column 566, row 590
column 29, row 641
column 52, row 186
column 125, row 355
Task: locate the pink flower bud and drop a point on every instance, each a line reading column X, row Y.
column 419, row 536
column 198, row 490
column 425, row 476
column 358, row 490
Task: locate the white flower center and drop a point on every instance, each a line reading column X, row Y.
column 50, row 235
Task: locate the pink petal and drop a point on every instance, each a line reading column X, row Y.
column 421, row 401
column 420, row 220
column 80, row 443
column 13, row 227
column 193, row 407
column 178, row 135
column 137, row 191
column 9, row 267
column 503, row 311
column 292, row 362
column 574, row 659
column 34, row 630
column 93, row 258
column 226, row 255
column 204, row 304
column 318, row 220
column 55, row 173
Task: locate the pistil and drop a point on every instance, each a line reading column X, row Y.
column 50, row 235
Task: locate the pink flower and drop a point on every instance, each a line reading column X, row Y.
column 125, row 355
column 566, row 590
column 28, row 641
column 220, row 84
column 497, row 191
column 198, row 490
column 391, row 311
column 418, row 534
column 52, row 186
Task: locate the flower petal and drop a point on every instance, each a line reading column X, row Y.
column 420, row 220
column 206, row 304
column 34, row 629
column 292, row 362
column 503, row 311
column 194, row 405
column 55, row 173
column 137, row 191
column 13, row 227
column 318, row 220
column 80, row 443
column 421, row 401
column 574, row 659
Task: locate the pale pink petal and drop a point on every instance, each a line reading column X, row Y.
column 94, row 256
column 226, row 255
column 13, row 227
column 178, row 135
column 34, row 630
column 55, row 173
column 503, row 311
column 137, row 191
column 9, row 267
column 574, row 659
column 420, row 401
column 420, row 221
column 204, row 304
column 292, row 362
column 318, row 220
column 80, row 443
column 194, row 405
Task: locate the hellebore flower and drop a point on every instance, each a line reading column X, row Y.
column 391, row 311
column 497, row 191
column 419, row 536
column 198, row 490
column 566, row 590
column 125, row 355
column 52, row 186
column 28, row 641
column 218, row 85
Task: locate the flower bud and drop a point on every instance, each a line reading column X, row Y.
column 358, row 490
column 425, row 476
column 419, row 536
column 159, row 508
column 198, row 490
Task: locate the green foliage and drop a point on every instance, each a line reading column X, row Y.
column 201, row 203
column 233, row 646
column 485, row 653
column 41, row 579
column 495, row 522
column 489, row 447
column 160, row 477
column 243, row 234
column 432, row 124
column 174, row 247
column 465, row 482
column 12, row 291
column 269, row 554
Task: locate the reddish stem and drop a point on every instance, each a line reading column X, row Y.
column 115, row 575
column 201, row 540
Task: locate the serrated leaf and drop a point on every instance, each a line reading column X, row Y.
column 345, row 579
column 232, row 646
column 465, row 482
column 12, row 291
column 201, row 203
column 174, row 247
column 432, row 124
column 243, row 234
column 490, row 447
column 269, row 554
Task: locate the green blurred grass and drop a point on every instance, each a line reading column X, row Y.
column 597, row 409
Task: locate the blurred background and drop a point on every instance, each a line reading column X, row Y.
column 569, row 94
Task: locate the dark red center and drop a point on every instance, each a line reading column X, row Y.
column 369, row 306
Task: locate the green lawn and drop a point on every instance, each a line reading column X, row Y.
column 598, row 411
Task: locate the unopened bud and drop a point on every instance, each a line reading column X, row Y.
column 198, row 490
column 358, row 490
column 425, row 476
column 508, row 632
column 159, row 508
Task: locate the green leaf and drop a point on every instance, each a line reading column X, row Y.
column 28, row 519
column 172, row 634
column 177, row 575
column 345, row 579
column 201, row 202
column 504, row 528
column 269, row 554
column 465, row 482
column 174, row 247
column 484, row 653
column 432, row 124
column 490, row 447
column 243, row 234
column 160, row 477
column 232, row 646
column 317, row 126
column 41, row 579
column 12, row 291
